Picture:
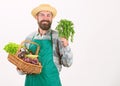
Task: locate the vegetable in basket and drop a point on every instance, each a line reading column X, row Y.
column 11, row 48
column 65, row 29
column 24, row 54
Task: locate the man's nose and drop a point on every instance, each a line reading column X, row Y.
column 45, row 17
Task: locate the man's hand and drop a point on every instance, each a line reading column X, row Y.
column 64, row 41
column 22, row 72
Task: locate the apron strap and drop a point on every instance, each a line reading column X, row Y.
column 51, row 38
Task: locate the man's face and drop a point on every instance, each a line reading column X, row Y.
column 44, row 19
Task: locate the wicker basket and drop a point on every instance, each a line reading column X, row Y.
column 22, row 65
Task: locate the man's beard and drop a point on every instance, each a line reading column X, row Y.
column 44, row 26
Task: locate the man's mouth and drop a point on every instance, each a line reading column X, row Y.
column 45, row 22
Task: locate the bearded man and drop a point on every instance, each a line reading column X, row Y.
column 54, row 52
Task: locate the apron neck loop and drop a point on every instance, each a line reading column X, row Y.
column 51, row 37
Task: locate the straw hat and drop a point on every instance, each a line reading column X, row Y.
column 45, row 7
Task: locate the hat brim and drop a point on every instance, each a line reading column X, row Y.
column 44, row 8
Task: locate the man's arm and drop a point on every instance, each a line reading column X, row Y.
column 66, row 53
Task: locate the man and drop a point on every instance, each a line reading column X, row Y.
column 54, row 51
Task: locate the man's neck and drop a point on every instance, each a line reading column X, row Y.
column 42, row 32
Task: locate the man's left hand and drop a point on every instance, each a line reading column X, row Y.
column 64, row 41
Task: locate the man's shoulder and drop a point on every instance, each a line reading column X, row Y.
column 33, row 33
column 30, row 36
column 54, row 33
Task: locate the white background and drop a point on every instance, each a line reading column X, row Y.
column 96, row 45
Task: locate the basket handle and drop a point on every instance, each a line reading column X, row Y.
column 28, row 41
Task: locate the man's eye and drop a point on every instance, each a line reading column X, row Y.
column 41, row 14
column 48, row 15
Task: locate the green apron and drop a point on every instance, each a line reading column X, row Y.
column 49, row 75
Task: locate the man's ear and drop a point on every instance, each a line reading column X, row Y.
column 36, row 17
